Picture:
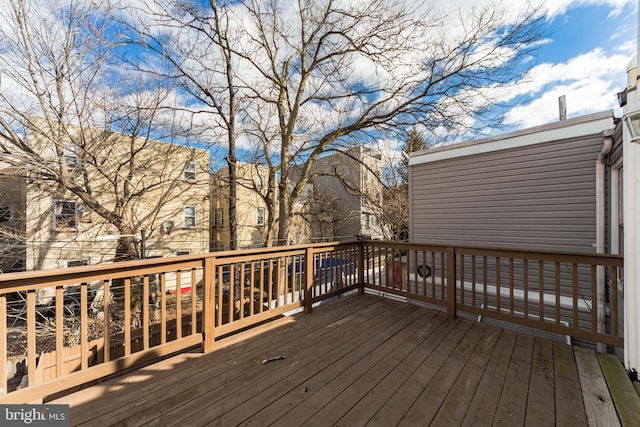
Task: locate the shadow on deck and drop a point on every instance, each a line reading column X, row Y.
column 368, row 360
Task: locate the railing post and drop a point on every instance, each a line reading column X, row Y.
column 361, row 249
column 308, row 279
column 451, row 282
column 208, row 310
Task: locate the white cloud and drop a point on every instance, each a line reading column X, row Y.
column 548, row 8
column 588, row 81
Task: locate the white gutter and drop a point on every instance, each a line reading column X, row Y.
column 600, row 231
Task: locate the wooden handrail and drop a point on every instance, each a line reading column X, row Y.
column 198, row 298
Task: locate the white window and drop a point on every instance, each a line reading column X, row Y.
column 260, row 216
column 189, row 214
column 65, row 215
column 71, row 157
column 190, row 171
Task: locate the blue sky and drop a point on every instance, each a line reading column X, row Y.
column 589, row 45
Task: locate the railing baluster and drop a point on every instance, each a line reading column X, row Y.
column 574, row 280
column 178, row 304
column 424, row 272
column 252, row 285
column 262, row 284
column 31, row 337
column 106, row 351
column 557, row 293
column 3, row 345
column 127, row 316
column 219, row 291
column 511, row 286
column 541, row 289
column 241, row 281
column 433, row 274
column 614, row 300
column 594, row 307
column 146, row 324
column 485, row 298
column 442, row 274
column 525, row 266
column 59, row 330
column 473, row 280
column 194, row 303
column 232, row 296
column 270, row 281
column 498, row 290
column 462, row 278
column 163, row 308
column 84, row 321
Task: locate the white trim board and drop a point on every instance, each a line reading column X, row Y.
column 592, row 124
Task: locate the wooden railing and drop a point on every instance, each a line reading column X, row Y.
column 555, row 292
column 68, row 327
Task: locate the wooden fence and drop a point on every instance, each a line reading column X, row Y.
column 71, row 326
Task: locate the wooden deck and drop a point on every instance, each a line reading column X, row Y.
column 361, row 360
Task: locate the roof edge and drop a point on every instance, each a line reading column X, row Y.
column 590, row 124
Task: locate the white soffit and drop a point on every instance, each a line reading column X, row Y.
column 592, row 124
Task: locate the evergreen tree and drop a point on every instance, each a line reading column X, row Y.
column 413, row 143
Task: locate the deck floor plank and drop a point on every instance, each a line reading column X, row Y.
column 365, row 409
column 482, row 408
column 212, row 402
column 624, row 395
column 595, row 394
column 454, row 408
column 569, row 403
column 362, row 361
column 316, row 384
column 341, row 366
column 165, row 376
column 541, row 398
column 343, row 392
column 394, row 409
column 228, row 372
column 512, row 403
column 427, row 404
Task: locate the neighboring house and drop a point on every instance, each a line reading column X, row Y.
column 251, row 209
column 531, row 189
column 170, row 184
column 345, row 196
column 550, row 188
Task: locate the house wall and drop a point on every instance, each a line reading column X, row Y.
column 534, row 189
column 248, row 201
column 352, row 180
column 156, row 176
column 535, row 196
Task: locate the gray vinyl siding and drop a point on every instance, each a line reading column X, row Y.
column 540, row 196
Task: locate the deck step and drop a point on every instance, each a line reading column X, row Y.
column 624, row 394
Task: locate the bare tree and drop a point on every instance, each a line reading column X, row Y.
column 331, row 73
column 298, row 78
column 323, row 213
column 194, row 42
column 64, row 98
